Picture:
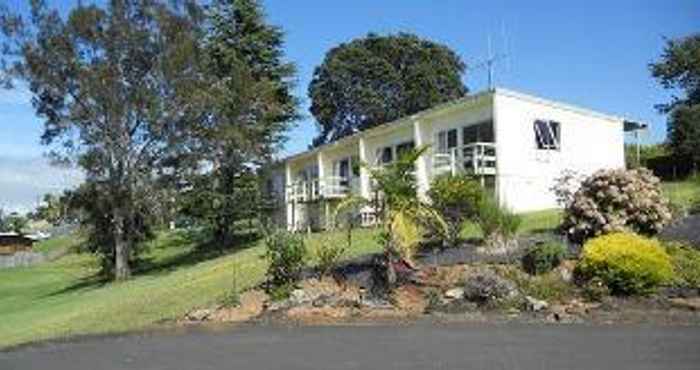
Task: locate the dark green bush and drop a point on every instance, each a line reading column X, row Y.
column 543, row 257
column 456, row 198
column 595, row 290
column 286, row 253
column 328, row 254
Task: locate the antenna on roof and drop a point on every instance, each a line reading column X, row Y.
column 493, row 57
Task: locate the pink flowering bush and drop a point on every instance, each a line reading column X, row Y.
column 616, row 201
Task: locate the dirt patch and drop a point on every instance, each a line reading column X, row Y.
column 410, row 299
column 252, row 305
column 310, row 314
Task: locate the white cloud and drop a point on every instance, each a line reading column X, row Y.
column 24, row 180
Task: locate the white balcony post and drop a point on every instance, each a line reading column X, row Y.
column 419, row 137
column 289, row 196
column 322, row 186
column 365, row 190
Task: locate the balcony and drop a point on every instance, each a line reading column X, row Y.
column 474, row 159
column 330, row 187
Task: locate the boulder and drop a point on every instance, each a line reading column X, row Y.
column 534, row 304
column 200, row 314
column 484, row 286
column 455, row 293
column 692, row 304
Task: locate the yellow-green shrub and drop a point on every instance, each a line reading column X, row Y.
column 626, row 263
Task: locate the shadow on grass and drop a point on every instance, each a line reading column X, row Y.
column 195, row 246
column 202, row 248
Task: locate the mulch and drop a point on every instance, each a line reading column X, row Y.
column 686, row 230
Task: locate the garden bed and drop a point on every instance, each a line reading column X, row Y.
column 439, row 289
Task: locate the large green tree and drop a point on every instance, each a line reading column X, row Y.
column 679, row 70
column 110, row 83
column 377, row 79
column 251, row 108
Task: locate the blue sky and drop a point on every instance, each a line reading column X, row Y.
column 592, row 53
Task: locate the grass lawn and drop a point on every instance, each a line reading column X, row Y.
column 63, row 298
column 55, row 244
column 682, row 193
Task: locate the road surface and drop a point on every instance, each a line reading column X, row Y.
column 418, row 346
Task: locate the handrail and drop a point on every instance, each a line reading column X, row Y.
column 327, row 187
column 479, row 156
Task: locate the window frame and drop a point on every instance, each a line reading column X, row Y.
column 551, row 142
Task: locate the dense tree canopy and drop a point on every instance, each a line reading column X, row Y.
column 377, row 79
column 679, row 69
column 110, row 83
column 252, row 107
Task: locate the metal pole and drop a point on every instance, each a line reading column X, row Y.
column 636, row 136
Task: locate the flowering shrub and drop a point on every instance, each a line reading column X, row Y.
column 626, row 263
column 615, row 201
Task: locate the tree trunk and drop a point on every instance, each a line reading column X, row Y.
column 121, row 249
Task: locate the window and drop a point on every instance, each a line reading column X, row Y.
column 403, row 148
column 386, row 155
column 480, row 133
column 547, row 135
column 447, row 140
column 341, row 169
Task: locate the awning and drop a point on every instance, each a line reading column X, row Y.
column 634, row 126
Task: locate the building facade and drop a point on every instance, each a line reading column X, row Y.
column 516, row 144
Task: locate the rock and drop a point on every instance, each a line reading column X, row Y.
column 298, row 296
column 534, row 304
column 200, row 314
column 455, row 293
column 376, row 304
column 692, row 304
column 483, row 286
column 559, row 314
column 566, row 270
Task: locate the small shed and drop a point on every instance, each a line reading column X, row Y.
column 11, row 243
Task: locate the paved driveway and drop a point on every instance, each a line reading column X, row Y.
column 419, row 346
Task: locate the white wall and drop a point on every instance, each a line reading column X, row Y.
column 589, row 142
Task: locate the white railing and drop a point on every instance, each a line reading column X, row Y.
column 474, row 158
column 328, row 187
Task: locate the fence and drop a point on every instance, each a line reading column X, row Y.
column 20, row 259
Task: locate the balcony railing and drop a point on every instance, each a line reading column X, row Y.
column 475, row 159
column 330, row 187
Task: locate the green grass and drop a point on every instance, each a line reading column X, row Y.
column 532, row 222
column 55, row 244
column 64, row 298
column 681, row 194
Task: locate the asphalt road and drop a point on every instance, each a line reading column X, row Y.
column 375, row 347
